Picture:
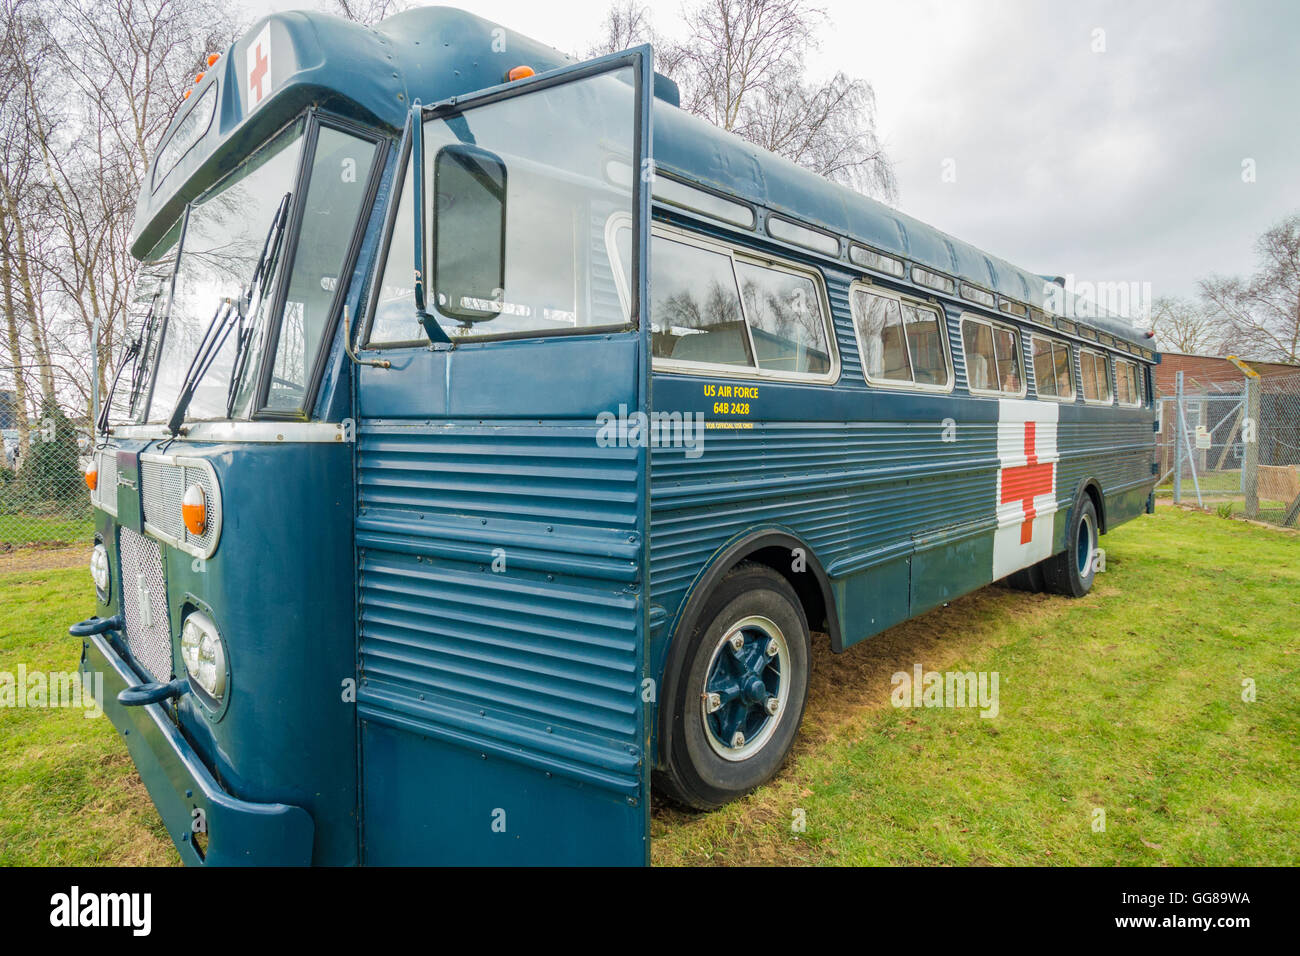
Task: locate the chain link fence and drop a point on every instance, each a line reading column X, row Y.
column 44, row 502
column 1233, row 448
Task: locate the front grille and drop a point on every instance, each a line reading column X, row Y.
column 105, row 493
column 144, row 603
column 163, row 485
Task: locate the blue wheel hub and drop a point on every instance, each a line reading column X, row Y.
column 746, row 688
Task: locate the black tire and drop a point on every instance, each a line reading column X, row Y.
column 1073, row 570
column 695, row 773
column 1027, row 579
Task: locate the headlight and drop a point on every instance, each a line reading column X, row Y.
column 204, row 654
column 99, row 571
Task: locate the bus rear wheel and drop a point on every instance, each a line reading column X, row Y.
column 741, row 691
column 1073, row 570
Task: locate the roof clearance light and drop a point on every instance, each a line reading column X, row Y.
column 187, row 94
column 520, row 73
column 194, row 509
column 92, row 475
column 198, row 77
column 213, row 58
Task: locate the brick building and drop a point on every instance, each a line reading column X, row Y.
column 1209, row 373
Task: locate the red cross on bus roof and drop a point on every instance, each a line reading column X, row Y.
column 1025, row 482
column 258, row 73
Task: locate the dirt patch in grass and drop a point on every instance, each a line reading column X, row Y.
column 43, row 559
column 37, row 558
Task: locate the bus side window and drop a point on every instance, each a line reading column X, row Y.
column 1096, row 384
column 993, row 357
column 1052, row 376
column 879, row 321
column 1064, row 377
column 695, row 311
column 901, row 342
column 981, row 363
column 1044, row 366
column 395, row 320
column 785, row 319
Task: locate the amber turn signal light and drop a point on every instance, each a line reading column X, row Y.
column 194, row 509
column 520, row 73
column 92, row 477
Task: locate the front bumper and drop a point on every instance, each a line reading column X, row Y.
column 239, row 833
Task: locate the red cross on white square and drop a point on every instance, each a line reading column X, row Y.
column 259, row 67
column 1025, row 499
column 1025, row 482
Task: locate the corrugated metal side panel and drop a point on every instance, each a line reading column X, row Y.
column 857, row 492
column 538, row 659
column 837, row 486
column 1118, row 455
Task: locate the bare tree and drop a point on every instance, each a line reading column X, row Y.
column 1184, row 325
column 627, row 24
column 1261, row 314
column 88, row 89
column 744, row 68
column 368, row 12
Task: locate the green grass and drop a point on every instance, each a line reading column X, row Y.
column 22, row 529
column 69, row 794
column 1129, row 700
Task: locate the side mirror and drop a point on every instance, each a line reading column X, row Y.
column 469, row 233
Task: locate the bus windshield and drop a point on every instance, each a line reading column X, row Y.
column 222, row 241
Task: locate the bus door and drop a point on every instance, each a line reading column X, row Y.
column 501, row 482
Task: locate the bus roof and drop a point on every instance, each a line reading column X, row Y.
column 372, row 74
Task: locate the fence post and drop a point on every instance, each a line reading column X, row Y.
column 1178, row 438
column 1250, row 437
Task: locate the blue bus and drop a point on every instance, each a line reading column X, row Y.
column 495, row 437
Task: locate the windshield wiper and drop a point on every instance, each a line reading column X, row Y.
column 141, row 367
column 252, row 301
column 228, row 316
column 133, row 351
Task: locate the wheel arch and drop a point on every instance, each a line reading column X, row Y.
column 1092, row 488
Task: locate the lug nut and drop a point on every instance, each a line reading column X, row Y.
column 772, row 648
column 712, row 702
column 772, row 706
column 737, row 642
column 737, row 739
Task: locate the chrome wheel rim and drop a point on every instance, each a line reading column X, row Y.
column 746, row 688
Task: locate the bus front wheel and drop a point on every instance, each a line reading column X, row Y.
column 741, row 692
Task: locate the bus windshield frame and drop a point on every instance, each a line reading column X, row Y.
column 197, row 279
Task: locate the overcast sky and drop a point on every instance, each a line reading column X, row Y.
column 1124, row 164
